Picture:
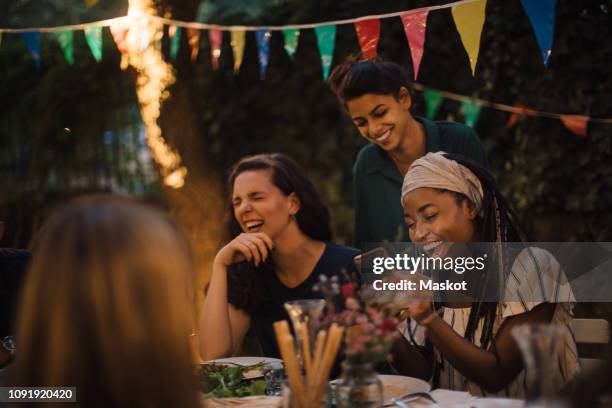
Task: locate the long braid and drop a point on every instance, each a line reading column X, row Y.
column 497, row 224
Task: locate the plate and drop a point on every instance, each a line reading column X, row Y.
column 398, row 385
column 246, row 361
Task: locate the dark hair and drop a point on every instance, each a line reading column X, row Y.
column 357, row 76
column 312, row 219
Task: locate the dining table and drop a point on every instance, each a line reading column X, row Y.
column 444, row 399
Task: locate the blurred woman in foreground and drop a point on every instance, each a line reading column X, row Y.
column 106, row 307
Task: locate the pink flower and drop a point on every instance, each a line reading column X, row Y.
column 348, row 290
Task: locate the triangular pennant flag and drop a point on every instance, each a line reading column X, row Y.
column 263, row 50
column 433, row 100
column 216, row 41
column 415, row 26
column 65, row 38
column 174, row 32
column 368, row 34
column 469, row 19
column 119, row 30
column 193, row 38
column 326, row 41
column 32, row 40
column 291, row 36
column 93, row 36
column 145, row 34
column 514, row 117
column 577, row 124
column 238, row 40
column 541, row 14
column 471, row 111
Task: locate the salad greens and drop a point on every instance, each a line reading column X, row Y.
column 223, row 381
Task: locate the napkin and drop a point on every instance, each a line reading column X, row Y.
column 260, row 401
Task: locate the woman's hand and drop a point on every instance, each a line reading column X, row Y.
column 418, row 310
column 254, row 247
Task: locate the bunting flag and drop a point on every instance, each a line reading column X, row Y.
column 93, row 36
column 193, row 38
column 368, row 34
column 433, row 100
column 65, row 38
column 237, row 43
column 263, row 48
column 415, row 27
column 577, row 124
column 469, row 19
column 326, row 41
column 144, row 34
column 32, row 40
column 216, row 41
column 541, row 14
column 119, row 30
column 174, row 32
column 471, row 111
column 291, row 37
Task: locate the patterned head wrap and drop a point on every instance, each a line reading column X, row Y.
column 436, row 171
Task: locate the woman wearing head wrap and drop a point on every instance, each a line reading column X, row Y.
column 449, row 199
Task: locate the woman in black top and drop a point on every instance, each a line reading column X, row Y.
column 279, row 245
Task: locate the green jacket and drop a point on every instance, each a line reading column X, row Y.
column 378, row 183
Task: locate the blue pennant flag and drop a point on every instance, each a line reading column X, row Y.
column 541, row 14
column 263, row 46
column 32, row 40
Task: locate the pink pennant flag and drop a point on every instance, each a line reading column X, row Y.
column 119, row 31
column 577, row 124
column 368, row 33
column 415, row 26
column 193, row 37
column 216, row 40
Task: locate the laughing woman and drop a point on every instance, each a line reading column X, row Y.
column 447, row 198
column 376, row 95
column 280, row 245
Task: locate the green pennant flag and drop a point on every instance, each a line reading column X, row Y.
column 65, row 38
column 291, row 36
column 93, row 35
column 433, row 100
column 326, row 40
column 175, row 41
column 471, row 111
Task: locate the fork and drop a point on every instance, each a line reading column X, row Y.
column 410, row 397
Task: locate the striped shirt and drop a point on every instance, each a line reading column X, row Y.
column 535, row 277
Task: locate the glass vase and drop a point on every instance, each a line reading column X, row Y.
column 539, row 345
column 359, row 386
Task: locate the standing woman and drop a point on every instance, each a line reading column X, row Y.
column 279, row 246
column 448, row 199
column 375, row 95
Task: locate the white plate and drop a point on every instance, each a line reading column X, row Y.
column 398, row 385
column 246, row 361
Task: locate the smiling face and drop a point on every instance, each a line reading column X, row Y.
column 381, row 119
column 260, row 206
column 434, row 217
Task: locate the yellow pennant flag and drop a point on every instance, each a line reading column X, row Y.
column 237, row 48
column 469, row 19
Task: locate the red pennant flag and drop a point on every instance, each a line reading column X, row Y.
column 577, row 124
column 415, row 26
column 193, row 37
column 512, row 121
column 368, row 33
column 216, row 40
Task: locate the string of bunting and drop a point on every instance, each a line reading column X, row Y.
column 468, row 16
